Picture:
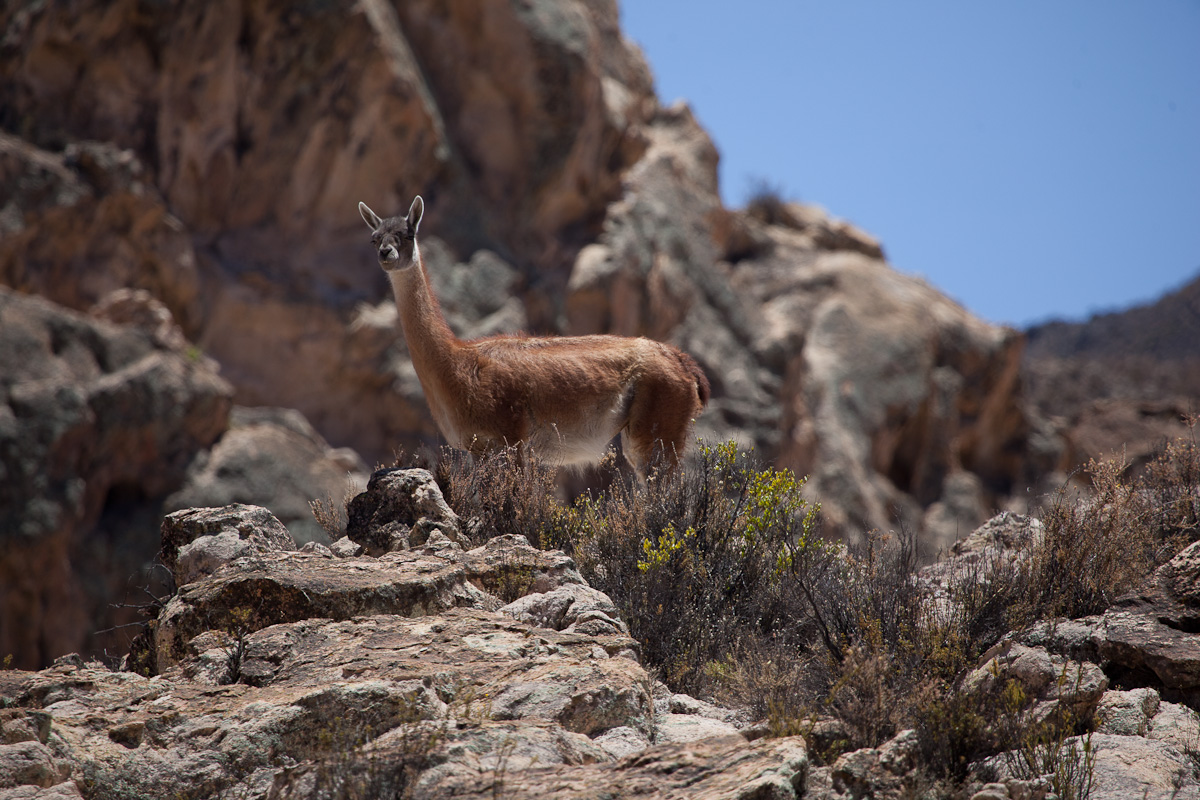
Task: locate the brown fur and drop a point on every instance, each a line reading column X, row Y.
column 563, row 397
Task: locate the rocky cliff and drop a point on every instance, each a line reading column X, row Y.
column 192, row 317
column 107, row 421
column 213, row 153
column 97, row 421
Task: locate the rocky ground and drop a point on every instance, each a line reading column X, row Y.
column 396, row 661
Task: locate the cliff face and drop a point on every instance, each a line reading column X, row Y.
column 213, row 154
column 98, row 422
column 246, row 133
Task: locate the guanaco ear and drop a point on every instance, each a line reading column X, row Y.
column 370, row 217
column 414, row 214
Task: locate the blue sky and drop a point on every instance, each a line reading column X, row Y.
column 1032, row 160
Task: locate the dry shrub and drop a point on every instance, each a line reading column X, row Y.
column 329, row 516
column 1171, row 490
column 1100, row 547
column 1055, row 749
column 1094, row 549
column 767, row 204
column 762, row 679
column 700, row 560
column 955, row 729
column 888, row 648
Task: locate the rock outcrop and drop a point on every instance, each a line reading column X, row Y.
column 235, row 141
column 106, row 423
column 1146, row 639
column 899, row 403
column 98, row 422
column 277, row 672
column 273, row 670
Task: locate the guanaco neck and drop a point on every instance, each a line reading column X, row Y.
column 431, row 343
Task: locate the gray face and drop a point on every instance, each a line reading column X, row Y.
column 393, row 244
column 395, row 238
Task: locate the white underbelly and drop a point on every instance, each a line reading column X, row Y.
column 583, row 442
column 582, row 447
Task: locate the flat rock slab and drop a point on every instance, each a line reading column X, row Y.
column 514, row 670
column 1144, row 640
column 457, row 647
column 252, row 593
column 725, row 767
column 1133, row 767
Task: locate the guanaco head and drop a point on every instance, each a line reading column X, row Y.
column 395, row 238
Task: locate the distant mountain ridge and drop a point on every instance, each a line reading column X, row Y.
column 1167, row 330
column 1120, row 384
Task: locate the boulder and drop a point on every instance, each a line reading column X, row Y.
column 1130, row 766
column 511, row 568
column 1051, row 683
column 1127, row 713
column 1146, row 638
column 199, row 541
column 1153, row 630
column 399, row 510
column 878, row 772
column 571, row 607
column 28, row 764
column 689, row 728
column 273, row 457
column 1120, row 767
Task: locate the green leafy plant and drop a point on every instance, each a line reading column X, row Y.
column 700, row 560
